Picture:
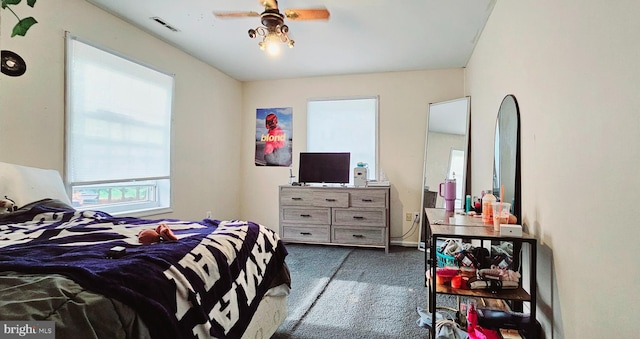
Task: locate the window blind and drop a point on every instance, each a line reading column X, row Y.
column 345, row 125
column 118, row 117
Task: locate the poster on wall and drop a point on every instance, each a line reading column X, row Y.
column 274, row 136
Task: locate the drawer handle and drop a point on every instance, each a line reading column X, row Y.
column 305, row 215
column 358, row 236
column 330, row 200
column 367, row 200
column 296, row 198
column 305, row 233
column 358, row 217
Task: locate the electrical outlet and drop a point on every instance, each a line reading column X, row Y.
column 407, row 217
column 208, row 214
column 416, row 216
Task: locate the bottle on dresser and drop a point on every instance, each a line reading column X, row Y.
column 487, row 208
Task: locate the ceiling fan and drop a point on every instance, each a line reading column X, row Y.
column 274, row 30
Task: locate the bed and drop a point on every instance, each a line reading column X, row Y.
column 218, row 279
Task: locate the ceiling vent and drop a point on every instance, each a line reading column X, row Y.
column 163, row 23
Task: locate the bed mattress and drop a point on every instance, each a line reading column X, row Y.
column 79, row 313
column 213, row 281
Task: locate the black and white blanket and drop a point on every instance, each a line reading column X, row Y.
column 206, row 284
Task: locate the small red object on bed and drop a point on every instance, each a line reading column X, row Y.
column 162, row 232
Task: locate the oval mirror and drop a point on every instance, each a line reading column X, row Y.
column 506, row 165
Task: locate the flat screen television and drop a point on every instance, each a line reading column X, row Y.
column 330, row 168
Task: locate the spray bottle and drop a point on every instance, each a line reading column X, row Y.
column 472, row 318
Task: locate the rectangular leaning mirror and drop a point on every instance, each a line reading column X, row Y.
column 445, row 157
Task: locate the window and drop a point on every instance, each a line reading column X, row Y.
column 345, row 125
column 118, row 132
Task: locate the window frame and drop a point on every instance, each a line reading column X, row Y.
column 376, row 175
column 162, row 202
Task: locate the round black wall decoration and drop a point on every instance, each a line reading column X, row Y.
column 12, row 64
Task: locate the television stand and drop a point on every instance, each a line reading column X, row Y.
column 335, row 215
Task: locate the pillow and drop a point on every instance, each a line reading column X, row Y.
column 25, row 184
column 28, row 211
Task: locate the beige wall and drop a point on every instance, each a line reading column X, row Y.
column 207, row 108
column 404, row 101
column 212, row 165
column 573, row 67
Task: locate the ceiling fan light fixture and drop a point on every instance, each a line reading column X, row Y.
column 272, row 43
column 273, row 49
column 273, row 30
column 272, row 37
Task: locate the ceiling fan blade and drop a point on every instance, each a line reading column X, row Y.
column 307, row 14
column 229, row 15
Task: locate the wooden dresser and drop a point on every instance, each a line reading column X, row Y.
column 335, row 215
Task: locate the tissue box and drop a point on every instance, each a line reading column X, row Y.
column 509, row 230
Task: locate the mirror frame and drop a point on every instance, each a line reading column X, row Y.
column 423, row 230
column 504, row 145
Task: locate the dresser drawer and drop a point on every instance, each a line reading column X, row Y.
column 330, row 199
column 358, row 235
column 290, row 196
column 306, row 233
column 360, row 217
column 305, row 215
column 368, row 198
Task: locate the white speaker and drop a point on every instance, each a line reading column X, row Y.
column 360, row 177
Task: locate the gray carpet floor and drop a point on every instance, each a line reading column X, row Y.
column 351, row 292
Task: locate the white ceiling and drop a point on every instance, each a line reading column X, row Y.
column 361, row 36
